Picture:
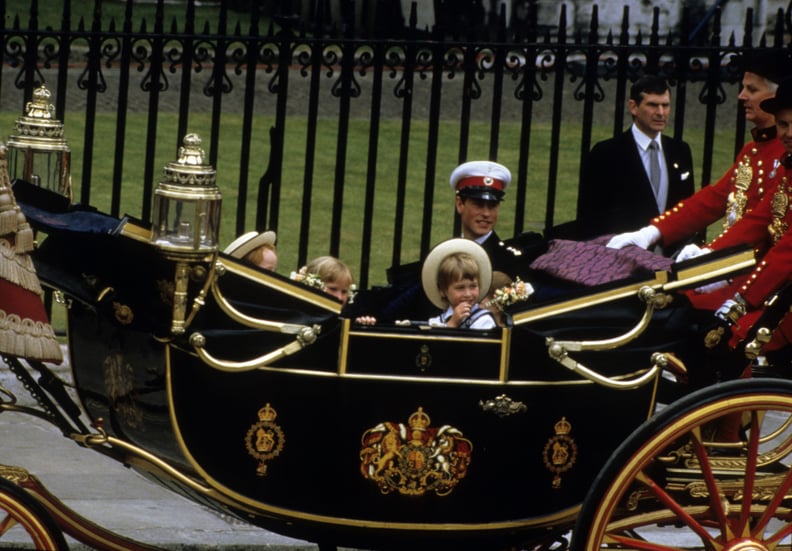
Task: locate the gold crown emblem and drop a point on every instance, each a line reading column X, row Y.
column 419, row 420
column 267, row 413
column 743, row 174
column 563, row 426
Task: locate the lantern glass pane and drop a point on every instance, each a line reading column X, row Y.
column 186, row 224
column 48, row 169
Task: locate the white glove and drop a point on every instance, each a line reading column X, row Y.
column 731, row 310
column 691, row 251
column 644, row 238
column 710, row 287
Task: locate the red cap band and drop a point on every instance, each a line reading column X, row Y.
column 481, row 181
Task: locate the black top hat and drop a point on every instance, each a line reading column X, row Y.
column 782, row 99
column 774, row 64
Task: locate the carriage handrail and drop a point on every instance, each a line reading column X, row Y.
column 250, row 321
column 559, row 350
column 305, row 337
column 593, row 376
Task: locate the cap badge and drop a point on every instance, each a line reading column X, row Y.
column 488, row 181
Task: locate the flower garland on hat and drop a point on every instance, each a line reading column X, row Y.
column 307, row 278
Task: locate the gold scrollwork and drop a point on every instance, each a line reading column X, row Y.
column 503, row 406
column 560, row 452
column 120, row 387
column 714, row 337
column 123, row 313
column 415, row 459
column 265, row 440
column 17, row 475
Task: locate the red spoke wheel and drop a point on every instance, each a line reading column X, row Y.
column 710, row 471
column 24, row 519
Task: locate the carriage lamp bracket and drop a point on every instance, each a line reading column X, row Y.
column 559, row 350
column 307, row 336
column 185, row 272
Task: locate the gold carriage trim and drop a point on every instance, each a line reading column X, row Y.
column 415, row 459
column 265, row 439
column 560, row 452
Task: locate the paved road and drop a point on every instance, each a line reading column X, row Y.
column 117, row 498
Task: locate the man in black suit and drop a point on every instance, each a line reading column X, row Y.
column 616, row 191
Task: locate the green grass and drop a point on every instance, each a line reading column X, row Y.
column 321, row 197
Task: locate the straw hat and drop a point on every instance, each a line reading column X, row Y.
column 243, row 244
column 442, row 250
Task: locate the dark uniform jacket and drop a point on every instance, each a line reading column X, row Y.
column 615, row 194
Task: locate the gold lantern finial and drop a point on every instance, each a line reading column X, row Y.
column 38, row 152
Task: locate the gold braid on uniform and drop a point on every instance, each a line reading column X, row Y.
column 778, row 208
column 20, row 335
column 25, row 338
column 16, row 235
column 735, row 207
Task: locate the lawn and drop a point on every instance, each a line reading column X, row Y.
column 321, row 196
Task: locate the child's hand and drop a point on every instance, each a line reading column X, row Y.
column 366, row 320
column 461, row 313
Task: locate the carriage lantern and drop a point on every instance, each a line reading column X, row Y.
column 186, row 222
column 38, row 152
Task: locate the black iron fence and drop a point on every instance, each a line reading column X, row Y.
column 344, row 144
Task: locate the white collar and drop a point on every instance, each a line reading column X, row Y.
column 484, row 237
column 643, row 140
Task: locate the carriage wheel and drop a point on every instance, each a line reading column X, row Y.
column 22, row 517
column 710, row 471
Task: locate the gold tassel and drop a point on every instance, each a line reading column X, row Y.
column 8, row 222
column 29, row 339
column 24, row 238
column 18, row 269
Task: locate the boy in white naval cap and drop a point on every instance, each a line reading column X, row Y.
column 479, row 187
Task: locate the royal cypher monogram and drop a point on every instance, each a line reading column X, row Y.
column 265, row 439
column 560, row 452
